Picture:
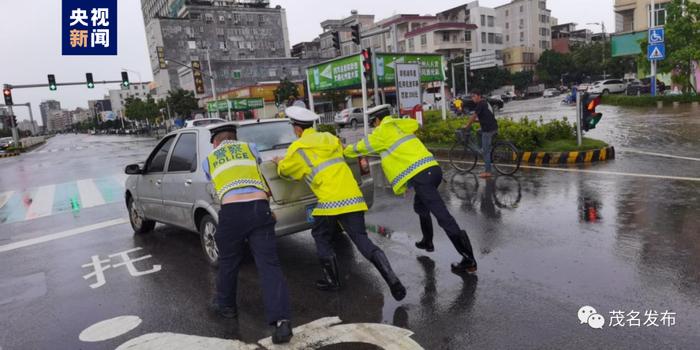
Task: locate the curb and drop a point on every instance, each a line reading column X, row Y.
column 574, row 157
column 554, row 158
column 7, row 155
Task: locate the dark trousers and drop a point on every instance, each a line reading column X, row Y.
column 252, row 221
column 427, row 200
column 353, row 223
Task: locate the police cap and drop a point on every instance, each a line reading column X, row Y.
column 301, row 116
column 221, row 128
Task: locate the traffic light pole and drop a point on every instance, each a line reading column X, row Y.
column 15, row 134
column 579, row 119
column 29, row 86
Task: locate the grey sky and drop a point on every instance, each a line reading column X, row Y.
column 32, row 44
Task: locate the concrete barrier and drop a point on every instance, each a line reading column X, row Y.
column 31, row 141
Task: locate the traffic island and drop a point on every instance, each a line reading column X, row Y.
column 550, row 158
column 10, row 154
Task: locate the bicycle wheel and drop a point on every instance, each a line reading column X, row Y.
column 462, row 158
column 505, row 158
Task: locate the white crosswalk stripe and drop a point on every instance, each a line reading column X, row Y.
column 42, row 203
column 90, row 195
column 4, row 197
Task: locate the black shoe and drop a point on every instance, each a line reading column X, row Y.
column 331, row 279
column 223, row 311
column 398, row 291
column 427, row 246
column 282, row 332
column 464, row 248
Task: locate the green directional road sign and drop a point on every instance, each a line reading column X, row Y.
column 338, row 74
column 431, row 67
column 237, row 104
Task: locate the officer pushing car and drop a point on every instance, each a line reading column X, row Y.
column 408, row 163
column 317, row 158
column 245, row 215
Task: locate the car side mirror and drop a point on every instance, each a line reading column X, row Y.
column 133, row 169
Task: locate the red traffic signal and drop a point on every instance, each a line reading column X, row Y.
column 366, row 62
column 7, row 94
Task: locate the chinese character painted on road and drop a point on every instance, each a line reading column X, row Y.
column 100, row 266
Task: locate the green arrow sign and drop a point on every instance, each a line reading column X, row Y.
column 342, row 73
column 431, row 67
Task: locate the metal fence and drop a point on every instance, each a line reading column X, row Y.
column 327, row 118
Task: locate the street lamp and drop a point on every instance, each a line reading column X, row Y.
column 602, row 25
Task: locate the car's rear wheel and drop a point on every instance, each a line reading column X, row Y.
column 207, row 234
column 606, row 91
column 140, row 224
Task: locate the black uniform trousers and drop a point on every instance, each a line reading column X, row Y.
column 427, row 200
column 252, row 221
column 353, row 223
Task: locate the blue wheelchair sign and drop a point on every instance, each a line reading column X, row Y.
column 656, row 35
column 656, row 52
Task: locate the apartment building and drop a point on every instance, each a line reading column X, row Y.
column 244, row 41
column 118, row 97
column 487, row 34
column 46, row 108
column 565, row 35
column 343, row 27
column 527, row 29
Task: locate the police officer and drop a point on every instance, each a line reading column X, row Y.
column 317, row 157
column 233, row 168
column 407, row 162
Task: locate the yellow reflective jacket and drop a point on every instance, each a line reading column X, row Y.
column 318, row 159
column 232, row 165
column 403, row 154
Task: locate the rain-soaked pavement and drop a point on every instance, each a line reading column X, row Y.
column 548, row 243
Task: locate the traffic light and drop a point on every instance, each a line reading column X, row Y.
column 356, row 34
column 336, row 40
column 589, row 115
column 7, row 93
column 14, row 121
column 125, row 79
column 367, row 63
column 90, row 82
column 52, row 82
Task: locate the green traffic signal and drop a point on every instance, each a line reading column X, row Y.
column 52, row 82
column 125, row 79
column 90, row 82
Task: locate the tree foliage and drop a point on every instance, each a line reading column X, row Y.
column 182, row 102
column 285, row 90
column 137, row 109
column 335, row 97
column 521, row 80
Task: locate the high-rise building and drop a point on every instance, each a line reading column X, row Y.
column 526, row 25
column 46, row 108
column 59, row 120
column 118, row 97
column 246, row 42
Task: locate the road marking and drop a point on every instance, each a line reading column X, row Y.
column 4, row 197
column 90, row 195
column 109, row 329
column 601, row 172
column 626, row 150
column 60, row 235
column 42, row 203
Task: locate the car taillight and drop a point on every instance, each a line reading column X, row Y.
column 364, row 166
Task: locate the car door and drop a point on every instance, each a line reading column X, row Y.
column 149, row 185
column 179, row 181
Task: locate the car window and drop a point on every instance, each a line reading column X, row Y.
column 156, row 161
column 357, row 110
column 267, row 136
column 184, row 155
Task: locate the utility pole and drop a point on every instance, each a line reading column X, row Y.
column 653, row 62
column 211, row 77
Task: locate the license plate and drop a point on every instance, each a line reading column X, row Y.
column 309, row 216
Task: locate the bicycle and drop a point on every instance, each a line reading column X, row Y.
column 463, row 156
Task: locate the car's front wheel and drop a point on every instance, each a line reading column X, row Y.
column 207, row 234
column 140, row 224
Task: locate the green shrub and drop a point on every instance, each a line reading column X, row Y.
column 526, row 134
column 646, row 100
column 327, row 128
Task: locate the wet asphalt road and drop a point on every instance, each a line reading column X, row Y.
column 548, row 243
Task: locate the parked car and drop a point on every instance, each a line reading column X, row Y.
column 350, row 116
column 610, row 86
column 638, row 87
column 203, row 122
column 6, row 142
column 551, row 93
column 170, row 187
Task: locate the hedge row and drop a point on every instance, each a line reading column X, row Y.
column 647, row 100
column 526, row 134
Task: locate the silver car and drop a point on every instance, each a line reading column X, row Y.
column 350, row 116
column 170, row 187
